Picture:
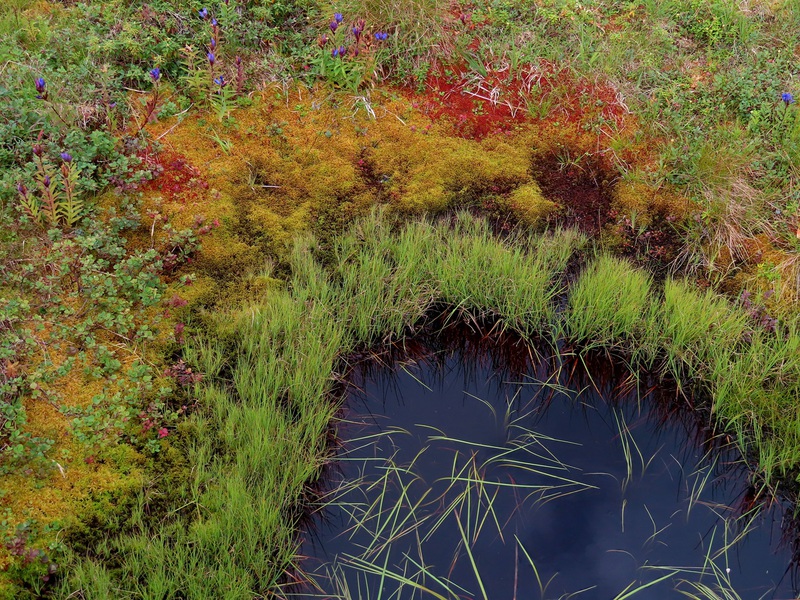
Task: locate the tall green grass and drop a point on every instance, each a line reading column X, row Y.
column 265, row 407
column 610, row 304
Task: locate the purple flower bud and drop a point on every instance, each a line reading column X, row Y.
column 220, row 81
column 203, row 13
column 333, row 25
column 40, row 87
column 342, row 51
column 214, row 22
column 335, row 52
column 37, row 150
column 46, row 181
column 238, row 60
column 213, row 44
column 66, row 157
column 155, row 74
column 211, row 58
column 22, row 189
column 338, row 17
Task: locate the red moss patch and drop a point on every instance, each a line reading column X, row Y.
column 543, row 95
column 178, row 180
column 474, row 108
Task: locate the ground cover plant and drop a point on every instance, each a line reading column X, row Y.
column 158, row 161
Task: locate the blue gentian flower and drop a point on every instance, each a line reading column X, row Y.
column 342, row 51
column 335, row 52
column 46, row 181
column 338, row 17
column 220, row 81
column 211, row 58
column 40, row 87
column 203, row 13
column 213, row 44
column 787, row 98
column 213, row 22
column 66, row 157
column 381, row 35
column 333, row 25
column 155, row 74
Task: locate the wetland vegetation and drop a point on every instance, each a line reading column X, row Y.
column 215, row 210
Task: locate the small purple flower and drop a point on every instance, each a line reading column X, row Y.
column 335, row 52
column 333, row 25
column 213, row 44
column 381, row 35
column 220, row 81
column 155, row 74
column 66, row 157
column 342, row 51
column 211, row 58
column 203, row 13
column 40, row 87
column 787, row 98
column 22, row 189
column 338, row 17
column 46, row 181
column 214, row 22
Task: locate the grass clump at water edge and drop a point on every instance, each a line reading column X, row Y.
column 261, row 436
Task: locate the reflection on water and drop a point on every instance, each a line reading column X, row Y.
column 474, row 470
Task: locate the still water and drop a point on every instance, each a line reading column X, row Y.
column 469, row 469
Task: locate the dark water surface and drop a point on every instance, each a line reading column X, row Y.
column 464, row 473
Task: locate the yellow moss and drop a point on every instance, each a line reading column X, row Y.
column 74, row 488
column 299, row 162
column 635, row 199
column 221, row 253
column 529, row 205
